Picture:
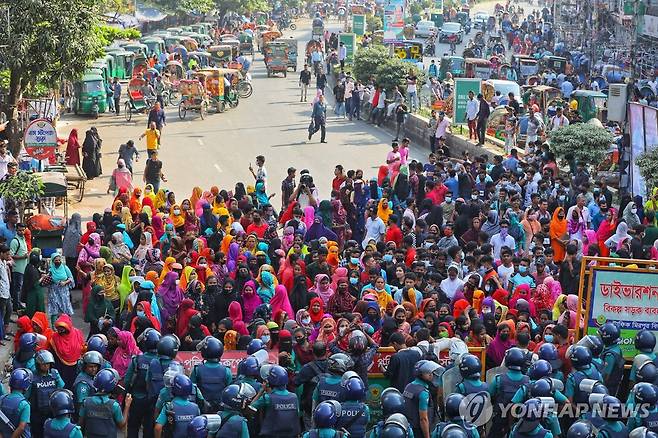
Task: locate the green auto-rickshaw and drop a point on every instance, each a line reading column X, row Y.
column 89, row 91
column 453, row 65
column 154, row 45
column 136, row 48
column 123, row 63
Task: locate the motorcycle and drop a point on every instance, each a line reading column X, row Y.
column 95, row 109
column 285, row 23
column 244, row 87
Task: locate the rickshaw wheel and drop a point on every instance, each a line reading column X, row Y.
column 221, row 106
column 182, row 111
column 174, row 97
column 203, row 110
column 245, row 89
column 233, row 103
column 128, row 113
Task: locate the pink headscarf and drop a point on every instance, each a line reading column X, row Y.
column 591, row 240
column 280, row 301
column 341, row 273
column 554, row 286
column 235, row 314
column 309, row 216
column 250, row 301
column 124, row 352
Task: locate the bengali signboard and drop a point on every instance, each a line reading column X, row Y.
column 394, row 14
column 40, row 139
column 349, row 41
column 230, row 359
column 628, row 298
column 359, row 24
column 462, row 87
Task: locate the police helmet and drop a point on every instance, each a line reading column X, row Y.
column 181, row 386
column 326, row 414
column 277, row 377
column 609, row 333
column 211, row 348
column 255, row 345
column 453, row 431
column 392, row 402
column 395, row 426
column 21, row 379
column 647, row 372
column 97, row 342
column 427, row 367
column 645, row 341
column 515, row 359
column 148, row 340
column 204, row 425
column 339, row 363
column 611, row 408
column 645, row 393
column 548, row 351
column 353, row 388
column 250, row 367
column 580, row 429
column 453, row 401
column 594, row 343
column 106, row 380
column 236, row 395
column 168, row 346
column 580, row 357
column 28, row 342
column 531, row 415
column 641, row 432
column 470, row 366
column 174, row 369
column 61, row 402
column 44, row 357
column 92, row 358
column 539, row 369
column 542, row 387
column 358, row 342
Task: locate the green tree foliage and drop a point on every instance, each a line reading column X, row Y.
column 107, row 34
column 22, row 188
column 366, row 61
column 585, row 142
column 388, row 71
column 373, row 23
column 648, row 165
column 184, row 7
column 241, row 6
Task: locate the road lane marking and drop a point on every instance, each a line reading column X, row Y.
column 219, row 169
column 200, row 141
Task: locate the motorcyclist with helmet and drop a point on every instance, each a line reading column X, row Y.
column 470, row 368
column 419, row 407
column 141, row 414
column 83, row 386
column 504, row 387
column 329, row 384
column 44, row 382
column 645, row 342
column 62, row 407
column 100, row 415
column 15, row 406
column 281, row 414
column 613, row 361
column 325, row 417
column 392, row 402
column 177, row 414
column 211, row 376
column 453, row 416
column 355, row 414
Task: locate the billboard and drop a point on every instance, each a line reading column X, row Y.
column 462, row 87
column 349, row 41
column 394, row 15
column 644, row 137
column 359, row 24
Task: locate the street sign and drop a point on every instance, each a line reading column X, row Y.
column 462, row 87
column 359, row 24
column 349, row 40
column 40, row 139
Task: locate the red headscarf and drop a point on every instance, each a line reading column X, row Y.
column 149, row 314
column 41, row 320
column 24, row 324
column 91, row 228
column 73, row 149
column 316, row 317
column 459, row 307
column 235, row 314
column 185, row 312
column 68, row 347
column 501, row 295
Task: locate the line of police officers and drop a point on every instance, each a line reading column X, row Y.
column 161, row 400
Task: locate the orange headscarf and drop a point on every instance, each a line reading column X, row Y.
column 167, row 267
column 558, row 231
column 153, row 277
column 196, row 195
column 135, row 202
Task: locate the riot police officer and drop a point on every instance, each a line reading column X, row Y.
column 355, row 414
column 612, row 414
column 83, row 386
column 24, row 357
column 544, row 388
column 235, row 399
column 281, row 417
column 548, row 352
column 595, row 345
column 329, row 384
column 166, row 394
column 529, row 426
column 62, row 407
column 248, row 372
column 141, row 414
column 15, row 406
column 646, row 372
column 101, row 416
column 647, row 397
column 470, row 368
column 325, row 417
column 211, row 376
column 645, row 342
column 613, row 361
column 205, row 426
column 504, row 387
column 419, row 403
column 540, row 369
column 580, row 429
column 98, row 343
column 392, row 402
column 581, row 360
column 255, row 345
column 44, row 382
column 167, row 349
column 178, row 413
column 453, row 416
column 397, row 426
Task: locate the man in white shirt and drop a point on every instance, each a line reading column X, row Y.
column 583, row 215
column 375, row 228
column 559, row 119
column 5, row 286
column 502, row 239
column 451, row 284
column 342, row 55
column 472, row 108
column 5, row 158
column 442, row 126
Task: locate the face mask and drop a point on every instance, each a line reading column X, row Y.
column 548, row 338
column 342, row 330
column 523, row 269
column 474, row 197
column 486, row 310
column 387, row 257
column 354, row 260
column 300, row 341
column 443, row 335
column 390, row 204
column 141, row 313
column 354, row 280
column 562, row 198
column 306, row 321
column 503, row 336
column 448, row 199
column 427, row 263
column 177, row 212
column 633, row 210
column 265, row 339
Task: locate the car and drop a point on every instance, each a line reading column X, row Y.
column 425, row 28
column 451, row 28
column 480, row 20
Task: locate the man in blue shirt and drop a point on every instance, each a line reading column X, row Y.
column 157, row 115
